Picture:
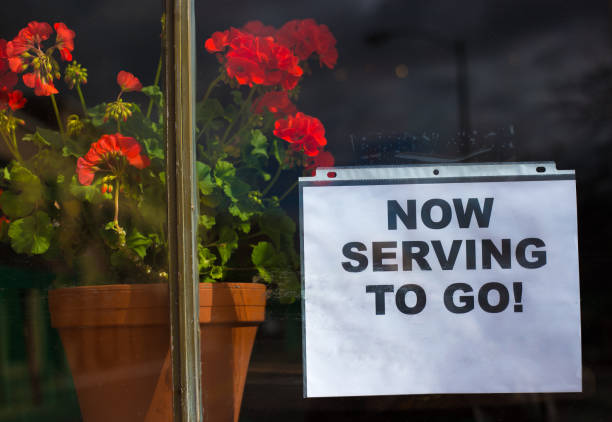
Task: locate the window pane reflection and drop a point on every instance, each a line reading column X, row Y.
column 84, row 329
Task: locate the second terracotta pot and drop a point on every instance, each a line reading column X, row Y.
column 117, row 342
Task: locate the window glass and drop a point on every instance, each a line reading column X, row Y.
column 84, row 332
column 412, row 83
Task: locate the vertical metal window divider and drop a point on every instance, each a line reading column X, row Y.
column 183, row 211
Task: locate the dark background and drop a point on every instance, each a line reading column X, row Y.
column 522, row 80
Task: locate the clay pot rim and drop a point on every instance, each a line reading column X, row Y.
column 148, row 304
column 151, row 295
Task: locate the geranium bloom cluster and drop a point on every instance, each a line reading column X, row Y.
column 259, row 54
column 302, row 131
column 251, row 59
column 28, row 52
column 306, row 37
column 110, row 153
column 302, row 37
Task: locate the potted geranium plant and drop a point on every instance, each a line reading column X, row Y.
column 89, row 198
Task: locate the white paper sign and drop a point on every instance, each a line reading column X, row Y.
column 446, row 284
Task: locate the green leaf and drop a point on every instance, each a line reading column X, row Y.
column 49, row 137
column 228, row 242
column 139, row 127
column 14, row 207
column 205, row 182
column 245, row 227
column 279, row 152
column 208, row 111
column 224, row 170
column 96, row 115
column 89, row 193
column 216, row 272
column 207, row 221
column 154, row 92
column 32, row 234
column 153, row 148
column 36, row 138
column 265, row 258
column 139, row 243
column 259, row 143
column 111, row 236
column 235, row 189
column 205, row 258
column 26, row 190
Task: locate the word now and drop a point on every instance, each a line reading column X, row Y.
column 463, row 213
column 456, row 305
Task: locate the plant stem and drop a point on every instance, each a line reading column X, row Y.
column 116, row 219
column 16, row 148
column 247, row 124
column 80, row 92
column 288, row 191
column 211, row 86
column 12, row 147
column 155, row 83
column 273, row 181
column 231, row 125
column 57, row 115
column 118, row 127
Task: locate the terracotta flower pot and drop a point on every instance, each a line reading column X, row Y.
column 117, row 342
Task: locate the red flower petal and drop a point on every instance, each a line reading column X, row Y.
column 8, row 79
column 85, row 172
column 306, row 37
column 253, row 59
column 106, row 152
column 217, row 42
column 303, row 132
column 64, row 40
column 16, row 100
column 128, row 82
column 277, row 102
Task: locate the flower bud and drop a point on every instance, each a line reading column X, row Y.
column 118, row 110
column 75, row 74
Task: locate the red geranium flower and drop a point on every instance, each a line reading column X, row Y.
column 324, row 159
column 29, row 38
column 110, row 152
column 13, row 99
column 64, row 40
column 26, row 50
column 217, row 41
column 302, row 131
column 42, row 86
column 128, row 82
column 305, row 37
column 277, row 102
column 252, row 59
